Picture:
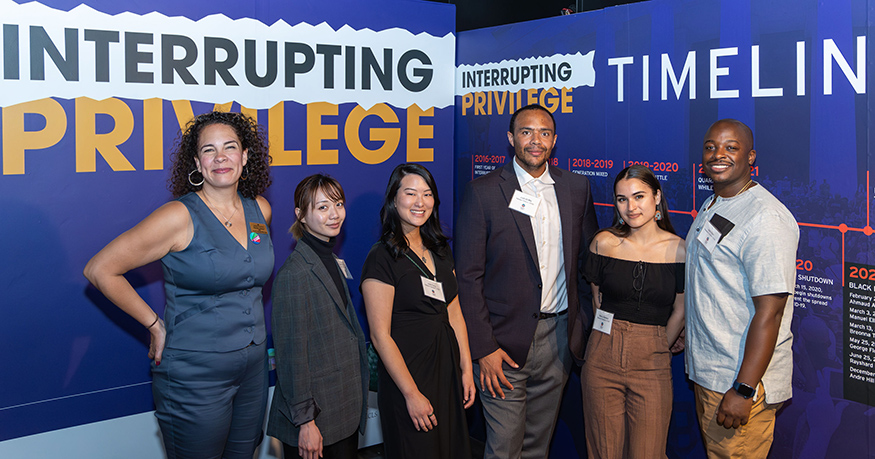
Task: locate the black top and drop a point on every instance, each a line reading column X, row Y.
column 324, row 250
column 636, row 291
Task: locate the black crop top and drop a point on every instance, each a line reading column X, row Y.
column 636, row 291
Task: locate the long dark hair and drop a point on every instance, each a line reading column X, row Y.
column 432, row 235
column 256, row 177
column 644, row 174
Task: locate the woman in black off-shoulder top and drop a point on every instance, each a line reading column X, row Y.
column 636, row 269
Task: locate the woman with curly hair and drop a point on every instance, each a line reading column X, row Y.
column 209, row 356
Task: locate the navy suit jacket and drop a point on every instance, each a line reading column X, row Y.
column 497, row 263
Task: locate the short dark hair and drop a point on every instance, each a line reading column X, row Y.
column 305, row 193
column 256, row 175
column 530, row 107
column 621, row 228
column 432, row 235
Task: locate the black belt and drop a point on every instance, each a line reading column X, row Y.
column 549, row 315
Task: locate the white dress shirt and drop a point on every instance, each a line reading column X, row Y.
column 547, row 227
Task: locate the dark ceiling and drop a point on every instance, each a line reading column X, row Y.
column 476, row 14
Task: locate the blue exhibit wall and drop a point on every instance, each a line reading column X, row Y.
column 659, row 73
column 92, row 97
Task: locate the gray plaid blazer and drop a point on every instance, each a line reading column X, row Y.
column 321, row 363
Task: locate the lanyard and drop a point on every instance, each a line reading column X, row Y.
column 429, row 276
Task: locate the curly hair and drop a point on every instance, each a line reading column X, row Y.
column 256, row 174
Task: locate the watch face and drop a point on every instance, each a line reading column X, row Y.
column 743, row 389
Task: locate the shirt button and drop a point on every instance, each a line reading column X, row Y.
column 540, row 286
column 247, row 312
column 248, row 259
column 535, row 315
column 249, row 279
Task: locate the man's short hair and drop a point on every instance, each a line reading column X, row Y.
column 530, row 107
column 744, row 128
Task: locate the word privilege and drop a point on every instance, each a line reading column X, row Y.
column 370, row 136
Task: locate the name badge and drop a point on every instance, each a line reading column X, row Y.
column 432, row 289
column 524, row 203
column 603, row 321
column 344, row 269
column 709, row 236
column 258, row 228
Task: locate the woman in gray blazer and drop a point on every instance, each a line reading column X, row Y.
column 320, row 399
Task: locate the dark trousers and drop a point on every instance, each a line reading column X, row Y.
column 211, row 404
column 344, row 449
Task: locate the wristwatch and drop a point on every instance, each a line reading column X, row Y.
column 743, row 389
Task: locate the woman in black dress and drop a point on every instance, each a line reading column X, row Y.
column 416, row 325
column 636, row 269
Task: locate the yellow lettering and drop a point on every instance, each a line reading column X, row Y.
column 16, row 140
column 500, row 100
column 250, row 112
column 550, row 103
column 467, row 102
column 389, row 136
column 417, row 132
column 479, row 102
column 183, row 111
column 276, row 128
column 566, row 101
column 224, row 108
column 317, row 132
column 153, row 134
column 88, row 140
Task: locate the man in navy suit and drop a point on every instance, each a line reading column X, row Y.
column 522, row 234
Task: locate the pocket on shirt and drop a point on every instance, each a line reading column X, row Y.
column 193, row 311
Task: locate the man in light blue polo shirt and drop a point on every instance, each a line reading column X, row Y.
column 740, row 279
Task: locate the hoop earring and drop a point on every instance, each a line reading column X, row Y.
column 192, row 183
column 658, row 215
column 244, row 174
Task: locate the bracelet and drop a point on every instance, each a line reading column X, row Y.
column 153, row 323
